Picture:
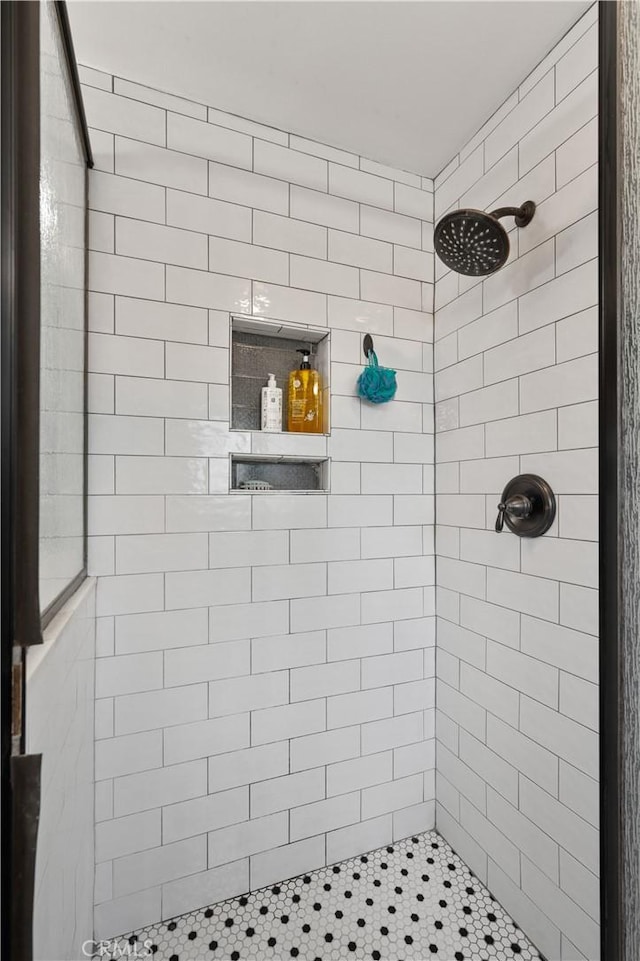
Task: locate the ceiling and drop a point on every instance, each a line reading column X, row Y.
column 403, row 83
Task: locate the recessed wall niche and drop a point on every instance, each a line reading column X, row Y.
column 261, row 347
column 263, row 473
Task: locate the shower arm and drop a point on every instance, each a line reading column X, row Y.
column 523, row 215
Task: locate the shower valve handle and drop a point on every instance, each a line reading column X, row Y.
column 519, row 505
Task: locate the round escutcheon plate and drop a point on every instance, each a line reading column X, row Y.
column 543, row 504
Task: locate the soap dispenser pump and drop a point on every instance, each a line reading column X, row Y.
column 305, row 397
column 271, row 406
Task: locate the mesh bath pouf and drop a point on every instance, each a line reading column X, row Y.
column 377, row 384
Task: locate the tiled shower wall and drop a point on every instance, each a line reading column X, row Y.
column 516, row 390
column 265, row 675
column 60, row 700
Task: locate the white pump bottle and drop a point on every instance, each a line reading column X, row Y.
column 271, row 406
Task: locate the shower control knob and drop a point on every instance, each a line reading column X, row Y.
column 517, row 506
column 527, row 506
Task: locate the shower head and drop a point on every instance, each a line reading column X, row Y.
column 475, row 243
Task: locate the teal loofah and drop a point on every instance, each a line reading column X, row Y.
column 377, row 384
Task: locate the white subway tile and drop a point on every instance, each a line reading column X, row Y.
column 577, row 153
column 282, row 793
column 149, row 319
column 363, row 187
column 290, row 165
column 531, row 109
column 329, row 747
column 125, row 435
column 490, row 767
column 202, row 139
column 123, row 914
column 531, row 595
column 525, row 434
column 157, row 165
column 320, row 208
column 580, row 106
column 573, row 742
column 579, row 608
column 159, row 99
column 349, row 841
column 129, row 594
column 247, row 126
column 350, row 577
column 144, row 553
column 288, row 304
column 520, row 278
column 207, row 887
column 323, row 816
column 390, row 290
column 284, row 233
column 234, row 695
column 579, row 700
column 575, row 562
column 186, row 742
column 134, row 238
column 392, row 732
column 154, row 709
column 117, row 756
column 489, row 693
column 322, row 150
column 277, row 723
column 120, row 115
column 208, row 216
column 287, row 861
column 464, row 176
column 416, row 203
column 359, row 773
column 165, row 629
column 249, row 189
column 526, row 674
column 580, row 793
column 519, row 356
column 140, row 871
column 128, row 674
column 347, row 248
column 322, row 680
column 276, row 582
column 112, row 274
column 392, row 605
column 160, row 398
column 290, row 650
column 206, row 662
column 568, row 649
column 359, row 707
column 155, row 475
column 526, row 756
column 571, row 292
column 207, row 513
column 153, row 789
column 125, row 515
column 247, row 767
column 199, row 815
column 324, row 277
column 231, row 621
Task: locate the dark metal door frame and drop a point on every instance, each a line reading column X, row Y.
column 20, row 616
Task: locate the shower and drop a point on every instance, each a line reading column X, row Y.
column 474, row 242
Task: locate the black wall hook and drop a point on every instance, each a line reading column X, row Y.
column 367, row 345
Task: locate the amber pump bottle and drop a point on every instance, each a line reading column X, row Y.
column 305, row 398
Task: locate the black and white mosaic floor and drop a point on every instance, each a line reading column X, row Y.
column 413, row 899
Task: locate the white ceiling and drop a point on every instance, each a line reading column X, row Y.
column 403, row 83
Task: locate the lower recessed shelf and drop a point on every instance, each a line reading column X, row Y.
column 275, row 474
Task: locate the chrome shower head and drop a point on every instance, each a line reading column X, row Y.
column 474, row 242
